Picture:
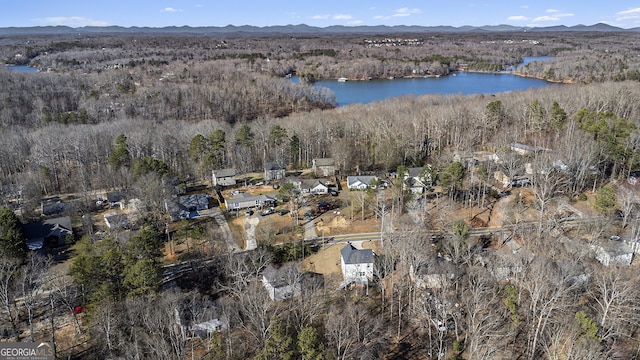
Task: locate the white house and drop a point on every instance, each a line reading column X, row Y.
column 223, row 177
column 274, row 171
column 357, row 264
column 360, row 182
column 417, row 180
column 313, row 187
column 613, row 251
column 282, row 281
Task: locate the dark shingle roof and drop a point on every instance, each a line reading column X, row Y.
column 283, row 275
column 220, row 173
column 270, row 166
column 324, row 162
column 351, row 255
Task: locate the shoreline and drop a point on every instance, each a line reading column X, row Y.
column 452, row 73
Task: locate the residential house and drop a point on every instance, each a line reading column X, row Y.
column 224, row 177
column 186, row 206
column 52, row 232
column 613, row 251
column 282, row 281
column 438, row 274
column 52, row 206
column 416, row 180
column 324, row 167
column 190, row 326
column 314, row 187
column 309, row 186
column 502, row 265
column 114, row 220
column 357, row 264
column 525, row 150
column 486, row 156
column 194, row 202
column 360, row 182
column 274, row 171
column 115, row 198
column 507, row 181
column 244, row 201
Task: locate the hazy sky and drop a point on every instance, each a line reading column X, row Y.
column 159, row 13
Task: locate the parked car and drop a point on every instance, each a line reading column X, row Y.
column 334, row 192
column 268, row 211
column 249, row 212
column 309, row 214
column 324, row 206
column 283, row 212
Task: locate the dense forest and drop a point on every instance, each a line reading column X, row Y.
column 131, row 111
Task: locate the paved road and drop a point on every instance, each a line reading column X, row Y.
column 174, row 270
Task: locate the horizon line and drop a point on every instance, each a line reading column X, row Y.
column 317, row 27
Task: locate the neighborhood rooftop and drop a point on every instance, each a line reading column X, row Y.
column 351, row 255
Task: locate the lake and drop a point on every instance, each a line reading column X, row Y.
column 21, row 68
column 466, row 83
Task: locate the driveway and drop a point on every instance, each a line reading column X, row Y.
column 250, row 224
column 217, row 215
column 309, row 224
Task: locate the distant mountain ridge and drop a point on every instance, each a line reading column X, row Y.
column 299, row 29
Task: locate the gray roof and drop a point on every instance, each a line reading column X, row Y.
column 220, row 173
column 324, row 162
column 194, row 200
column 115, row 196
column 351, row 255
column 414, row 171
column 363, row 179
column 311, row 183
column 281, row 275
column 243, row 197
column 526, row 147
column 37, row 231
column 273, row 166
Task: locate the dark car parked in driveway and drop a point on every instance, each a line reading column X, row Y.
column 324, row 206
column 309, row 214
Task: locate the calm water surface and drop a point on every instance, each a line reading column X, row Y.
column 21, row 68
column 465, row 83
